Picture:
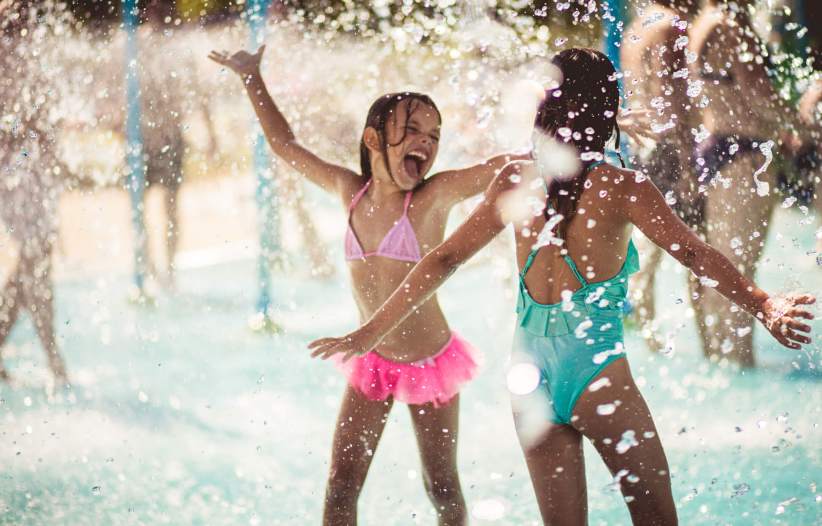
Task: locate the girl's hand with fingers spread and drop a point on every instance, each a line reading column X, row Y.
column 781, row 316
column 242, row 63
column 636, row 124
column 353, row 344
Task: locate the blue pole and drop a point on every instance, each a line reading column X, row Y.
column 799, row 9
column 265, row 192
column 134, row 142
column 614, row 20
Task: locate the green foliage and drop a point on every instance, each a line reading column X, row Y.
column 405, row 22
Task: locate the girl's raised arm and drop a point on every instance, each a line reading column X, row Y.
column 484, row 223
column 646, row 208
column 277, row 131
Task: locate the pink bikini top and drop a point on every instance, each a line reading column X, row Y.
column 399, row 243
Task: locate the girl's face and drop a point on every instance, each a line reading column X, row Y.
column 412, row 137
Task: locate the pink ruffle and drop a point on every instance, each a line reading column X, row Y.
column 434, row 380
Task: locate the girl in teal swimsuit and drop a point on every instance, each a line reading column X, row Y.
column 570, row 377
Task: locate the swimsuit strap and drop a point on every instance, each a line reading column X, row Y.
column 575, row 270
column 359, row 195
column 594, row 165
column 528, row 262
column 566, row 257
column 407, row 202
column 568, row 260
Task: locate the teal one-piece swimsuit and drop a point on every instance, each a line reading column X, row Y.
column 571, row 342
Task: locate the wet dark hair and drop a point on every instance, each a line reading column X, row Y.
column 586, row 103
column 378, row 116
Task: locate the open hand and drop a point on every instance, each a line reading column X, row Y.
column 242, row 63
column 636, row 124
column 781, row 314
column 356, row 343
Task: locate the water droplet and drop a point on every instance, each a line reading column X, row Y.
column 523, row 378
column 740, row 489
column 627, row 441
column 599, row 384
column 489, row 510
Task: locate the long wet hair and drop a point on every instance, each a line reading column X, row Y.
column 586, row 103
column 378, row 117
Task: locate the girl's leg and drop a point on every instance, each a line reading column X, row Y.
column 557, row 469
column 38, row 291
column 359, row 427
column 737, row 225
column 629, row 444
column 172, row 194
column 815, row 177
column 10, row 302
column 437, row 429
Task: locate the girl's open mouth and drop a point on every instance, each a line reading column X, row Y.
column 413, row 163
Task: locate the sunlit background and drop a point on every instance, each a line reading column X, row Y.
column 193, row 399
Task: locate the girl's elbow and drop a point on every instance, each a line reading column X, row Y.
column 690, row 257
column 448, row 261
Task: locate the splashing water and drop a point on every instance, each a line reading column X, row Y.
column 523, row 378
column 762, row 187
column 555, row 159
column 546, row 235
column 627, row 441
column 489, row 510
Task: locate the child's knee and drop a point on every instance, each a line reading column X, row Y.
column 345, row 482
column 444, row 490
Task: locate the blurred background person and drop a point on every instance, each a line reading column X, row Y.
column 655, row 68
column 30, row 173
column 744, row 120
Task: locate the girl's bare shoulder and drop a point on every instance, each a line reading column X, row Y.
column 348, row 187
column 614, row 183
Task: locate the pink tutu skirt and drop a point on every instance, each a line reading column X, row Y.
column 433, row 380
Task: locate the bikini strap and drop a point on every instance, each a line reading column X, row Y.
column 359, row 195
column 407, row 202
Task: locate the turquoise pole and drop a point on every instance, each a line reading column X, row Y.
column 134, row 142
column 614, row 20
column 265, row 194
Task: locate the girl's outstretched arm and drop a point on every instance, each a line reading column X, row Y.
column 276, row 128
column 454, row 186
column 484, row 223
column 646, row 208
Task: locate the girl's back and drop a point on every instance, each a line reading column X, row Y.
column 596, row 240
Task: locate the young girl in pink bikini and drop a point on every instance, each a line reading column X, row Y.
column 395, row 216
